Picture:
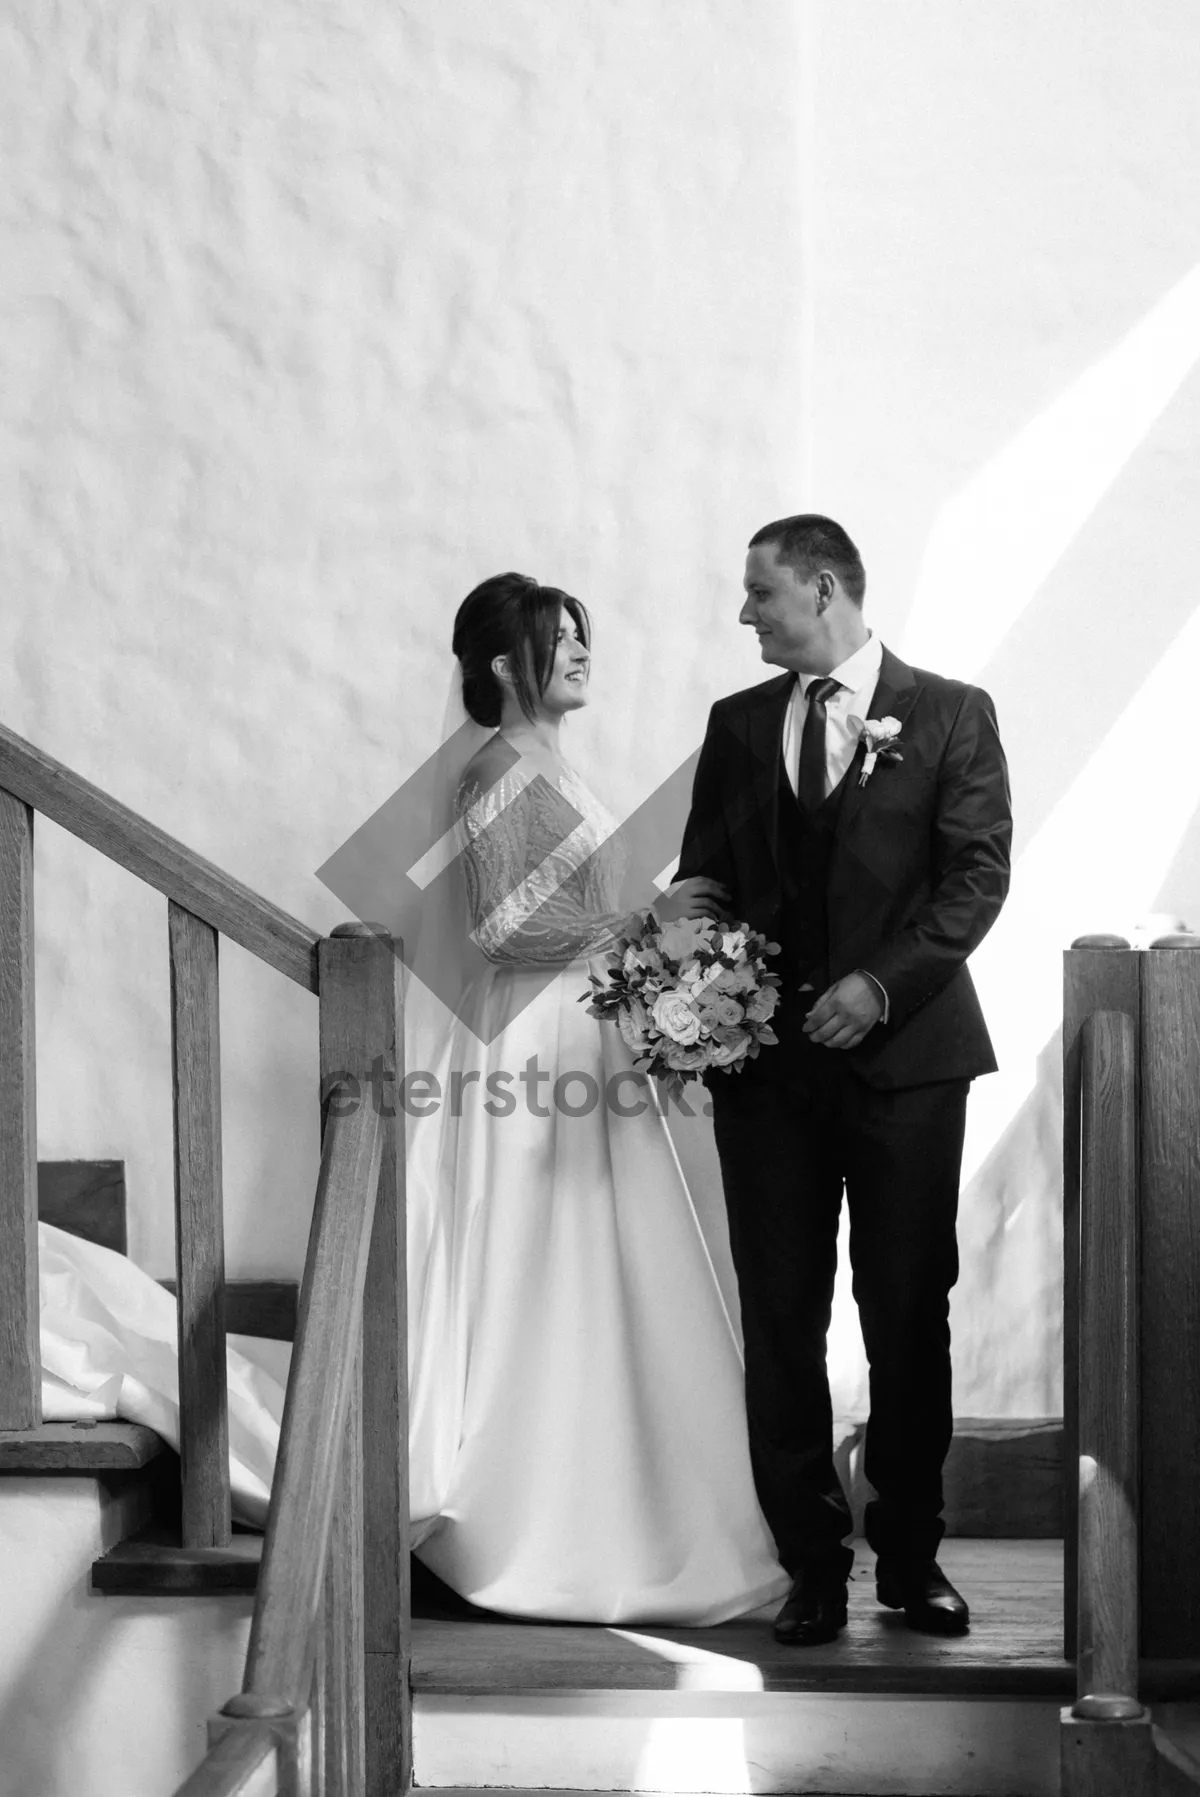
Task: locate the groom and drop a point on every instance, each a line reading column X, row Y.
column 877, row 877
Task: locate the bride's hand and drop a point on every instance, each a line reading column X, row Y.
column 697, row 897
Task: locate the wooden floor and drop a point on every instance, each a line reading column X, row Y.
column 1014, row 1647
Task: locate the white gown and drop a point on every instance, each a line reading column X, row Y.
column 108, row 1349
column 578, row 1437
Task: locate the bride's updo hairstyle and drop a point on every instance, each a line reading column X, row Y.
column 510, row 615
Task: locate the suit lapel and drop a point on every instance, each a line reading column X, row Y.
column 895, row 692
column 765, row 743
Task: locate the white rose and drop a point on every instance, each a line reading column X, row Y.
column 682, row 937
column 675, row 1018
column 633, row 1021
column 875, row 732
column 733, row 943
column 699, row 979
column 762, row 1004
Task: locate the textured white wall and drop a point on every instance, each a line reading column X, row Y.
column 104, row 1695
column 317, row 315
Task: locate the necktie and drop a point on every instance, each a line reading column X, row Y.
column 811, row 785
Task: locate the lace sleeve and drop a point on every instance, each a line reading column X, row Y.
column 535, row 873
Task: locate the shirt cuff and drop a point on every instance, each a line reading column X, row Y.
column 880, row 988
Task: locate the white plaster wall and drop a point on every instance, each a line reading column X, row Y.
column 103, row 1696
column 315, row 316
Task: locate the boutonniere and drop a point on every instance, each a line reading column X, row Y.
column 879, row 735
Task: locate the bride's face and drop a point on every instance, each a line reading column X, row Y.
column 566, row 689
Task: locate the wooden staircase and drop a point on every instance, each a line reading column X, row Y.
column 324, row 1704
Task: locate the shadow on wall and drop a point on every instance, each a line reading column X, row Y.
column 107, row 1696
column 1006, row 1310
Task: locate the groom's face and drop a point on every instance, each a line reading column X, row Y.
column 781, row 607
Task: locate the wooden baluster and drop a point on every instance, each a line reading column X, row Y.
column 1106, row 1745
column 1100, row 973
column 318, row 1704
column 20, row 1346
column 345, row 1711
column 361, row 1032
column 199, row 1230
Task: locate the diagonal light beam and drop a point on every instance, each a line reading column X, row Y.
column 994, row 544
column 1097, row 863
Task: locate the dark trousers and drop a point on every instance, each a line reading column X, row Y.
column 791, row 1136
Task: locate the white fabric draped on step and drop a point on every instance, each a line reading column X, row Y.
column 109, row 1350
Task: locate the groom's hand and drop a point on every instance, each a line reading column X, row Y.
column 842, row 1015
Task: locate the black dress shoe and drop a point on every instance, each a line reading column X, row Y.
column 921, row 1589
column 813, row 1611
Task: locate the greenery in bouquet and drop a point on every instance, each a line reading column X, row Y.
column 689, row 996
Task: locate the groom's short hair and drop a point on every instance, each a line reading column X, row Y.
column 809, row 542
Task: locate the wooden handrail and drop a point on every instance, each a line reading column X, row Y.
column 202, row 900
column 1107, row 1656
column 243, row 1763
column 310, row 1472
column 263, row 1740
column 324, row 1357
column 164, row 863
column 1178, row 1771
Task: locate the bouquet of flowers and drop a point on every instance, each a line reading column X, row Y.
column 687, row 996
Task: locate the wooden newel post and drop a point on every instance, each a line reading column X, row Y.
column 362, row 1053
column 1108, row 1387
column 20, row 1344
column 1170, row 1280
column 1105, row 1739
column 1100, row 973
column 199, row 1229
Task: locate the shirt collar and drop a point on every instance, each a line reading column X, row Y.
column 857, row 669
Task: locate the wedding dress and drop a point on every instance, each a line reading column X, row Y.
column 578, row 1442
column 109, row 1349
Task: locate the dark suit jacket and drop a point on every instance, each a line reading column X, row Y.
column 920, row 865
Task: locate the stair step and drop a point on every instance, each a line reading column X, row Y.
column 515, row 1660
column 829, row 1744
column 83, row 1448
column 538, row 1707
column 154, row 1565
column 531, row 1706
column 1014, row 1648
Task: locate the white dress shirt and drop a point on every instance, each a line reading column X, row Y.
column 859, row 676
column 844, row 714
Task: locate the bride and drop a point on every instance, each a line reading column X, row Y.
column 578, row 1440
